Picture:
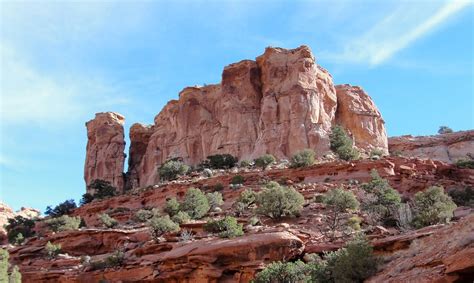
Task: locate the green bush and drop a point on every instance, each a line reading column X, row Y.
column 218, row 187
column 432, row 206
column 342, row 144
column 15, row 275
column 52, row 250
column 383, row 201
column 245, row 164
column 277, row 201
column 465, row 163
column 237, row 180
column 247, row 197
column 172, row 206
column 171, row 169
column 63, row 208
column 181, row 217
column 462, row 196
column 215, row 200
column 444, row 130
column 338, row 201
column 302, row 158
column 4, row 265
column 160, row 225
column 221, row 161
column 283, row 272
column 264, row 161
column 64, row 223
column 86, row 198
column 227, row 227
column 195, row 203
column 143, row 215
column 376, row 152
column 101, row 190
column 108, row 221
column 115, row 259
column 19, row 225
column 353, row 263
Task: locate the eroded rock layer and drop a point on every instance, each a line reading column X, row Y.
column 446, row 147
column 105, row 149
column 280, row 103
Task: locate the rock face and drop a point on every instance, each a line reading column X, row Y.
column 358, row 113
column 7, row 213
column 105, row 149
column 446, row 147
column 280, row 103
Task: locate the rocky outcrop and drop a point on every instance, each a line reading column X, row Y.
column 7, row 213
column 445, row 256
column 357, row 112
column 445, row 147
column 105, row 149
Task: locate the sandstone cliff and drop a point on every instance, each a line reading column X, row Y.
column 279, row 104
column 446, row 147
column 105, row 149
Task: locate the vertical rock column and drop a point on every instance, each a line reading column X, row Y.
column 105, row 149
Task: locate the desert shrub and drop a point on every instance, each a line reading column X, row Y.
column 221, row 161
column 186, row 236
column 171, row 169
column 52, row 250
column 115, row 259
column 102, row 189
column 86, row 198
column 338, row 201
column 107, row 221
column 214, row 199
column 465, row 163
column 237, row 180
column 15, row 275
column 376, row 152
column 247, row 197
column 63, row 208
column 226, row 227
column 462, row 196
column 253, row 221
column 143, row 215
column 160, row 225
column 18, row 239
column 195, row 203
column 245, row 164
column 277, row 201
column 19, row 225
column 64, row 223
column 382, row 201
column 283, row 272
column 4, row 265
column 172, row 206
column 444, row 130
column 354, row 223
column 353, row 263
column 302, row 158
column 432, row 206
column 264, row 161
column 342, row 144
column 181, row 217
column 218, row 187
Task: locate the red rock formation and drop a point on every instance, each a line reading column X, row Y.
column 105, row 149
column 445, row 256
column 7, row 213
column 281, row 103
column 358, row 113
column 446, row 147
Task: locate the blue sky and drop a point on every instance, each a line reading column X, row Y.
column 63, row 61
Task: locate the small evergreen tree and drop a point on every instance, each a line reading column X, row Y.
column 339, row 201
column 283, row 272
column 341, row 144
column 227, row 227
column 171, row 169
column 303, row 158
column 172, row 206
column 195, row 203
column 444, row 130
column 277, row 201
column 52, row 250
column 264, row 161
column 221, row 161
column 19, row 225
column 108, row 221
column 160, row 225
column 101, row 190
column 63, row 208
column 215, row 200
column 432, row 206
column 63, row 223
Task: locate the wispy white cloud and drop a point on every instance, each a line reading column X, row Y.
column 398, row 30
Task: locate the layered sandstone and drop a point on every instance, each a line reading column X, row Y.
column 105, row 149
column 358, row 113
column 445, row 147
column 280, row 103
